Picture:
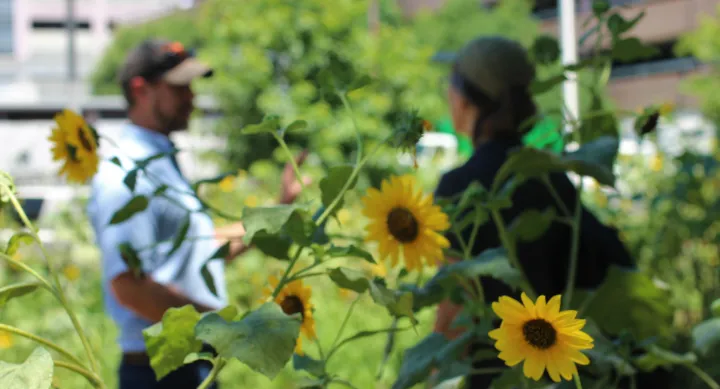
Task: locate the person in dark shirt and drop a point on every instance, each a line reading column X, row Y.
column 490, row 102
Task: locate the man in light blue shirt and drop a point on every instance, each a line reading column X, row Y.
column 156, row 80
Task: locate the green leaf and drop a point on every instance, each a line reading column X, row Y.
column 418, row 361
column 135, row 205
column 144, row 162
column 658, row 357
column 631, row 50
column 706, row 336
column 545, row 50
column 228, row 313
column 398, row 303
column 172, row 340
column 131, row 258
column 180, row 236
column 604, row 354
column 9, row 292
column 644, row 311
column 542, row 86
column 268, row 219
column 600, row 7
column 116, row 161
column 345, row 278
column 600, row 122
column 297, row 125
column 333, row 182
column 264, row 339
column 300, row 227
column 270, row 124
column 201, row 356
column 592, row 159
column 35, row 373
column 646, row 122
column 212, row 180
column 490, row 263
column 131, row 179
column 360, row 82
column 17, row 240
column 532, row 224
column 310, row 365
column 160, row 190
column 510, row 378
column 351, row 251
column 208, row 278
column 618, row 25
column 273, row 245
column 222, row 252
column 715, row 308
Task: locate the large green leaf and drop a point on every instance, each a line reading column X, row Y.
column 593, row 159
column 532, row 224
column 706, row 336
column 270, row 124
column 629, row 301
column 135, row 205
column 9, row 292
column 345, row 278
column 35, row 373
column 418, row 361
column 311, row 365
column 350, row 251
column 490, row 263
column 333, row 182
column 264, row 339
column 17, row 240
column 268, row 219
column 172, row 340
column 398, row 303
column 632, row 49
column 657, row 357
column 300, row 227
column 274, row 245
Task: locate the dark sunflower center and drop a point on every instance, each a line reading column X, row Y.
column 402, row 224
column 72, row 153
column 539, row 334
column 84, row 141
column 292, row 305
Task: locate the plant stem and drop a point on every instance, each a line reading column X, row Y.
column 41, row 340
column 576, row 378
column 58, row 288
column 704, row 376
column 305, row 275
column 345, row 321
column 294, row 164
column 358, row 136
column 218, row 364
column 284, row 278
column 512, row 253
column 29, row 270
column 92, row 377
column 575, row 249
column 555, row 196
column 487, row 371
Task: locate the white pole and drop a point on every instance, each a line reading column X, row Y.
column 568, row 48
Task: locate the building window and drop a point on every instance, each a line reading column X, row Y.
column 6, row 26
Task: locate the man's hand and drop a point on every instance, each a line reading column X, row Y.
column 291, row 187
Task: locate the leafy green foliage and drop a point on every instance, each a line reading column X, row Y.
column 135, row 205
column 532, row 224
column 16, row 290
column 17, row 240
column 35, row 373
column 264, row 339
column 172, row 340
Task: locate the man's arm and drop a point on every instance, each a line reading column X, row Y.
column 148, row 298
column 232, row 233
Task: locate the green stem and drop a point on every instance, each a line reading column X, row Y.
column 306, row 275
column 709, row 381
column 43, row 341
column 512, row 252
column 291, row 157
column 320, row 349
column 555, row 196
column 578, row 384
column 473, row 234
column 358, row 136
column 92, row 377
column 29, row 270
column 488, row 371
column 284, row 279
column 59, row 290
column 218, row 364
column 345, row 321
column 575, row 249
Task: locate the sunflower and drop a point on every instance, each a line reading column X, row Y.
column 404, row 219
column 542, row 336
column 295, row 298
column 75, row 143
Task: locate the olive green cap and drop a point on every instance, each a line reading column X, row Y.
column 494, row 65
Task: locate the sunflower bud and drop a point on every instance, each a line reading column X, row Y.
column 408, row 130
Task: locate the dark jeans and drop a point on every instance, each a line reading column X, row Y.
column 143, row 377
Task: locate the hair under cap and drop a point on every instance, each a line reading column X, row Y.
column 495, row 65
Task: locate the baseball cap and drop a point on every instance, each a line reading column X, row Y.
column 494, row 65
column 163, row 59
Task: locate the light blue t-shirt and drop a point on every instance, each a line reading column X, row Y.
column 151, row 232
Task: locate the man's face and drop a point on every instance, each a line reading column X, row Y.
column 170, row 105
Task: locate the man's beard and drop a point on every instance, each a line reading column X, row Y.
column 171, row 123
